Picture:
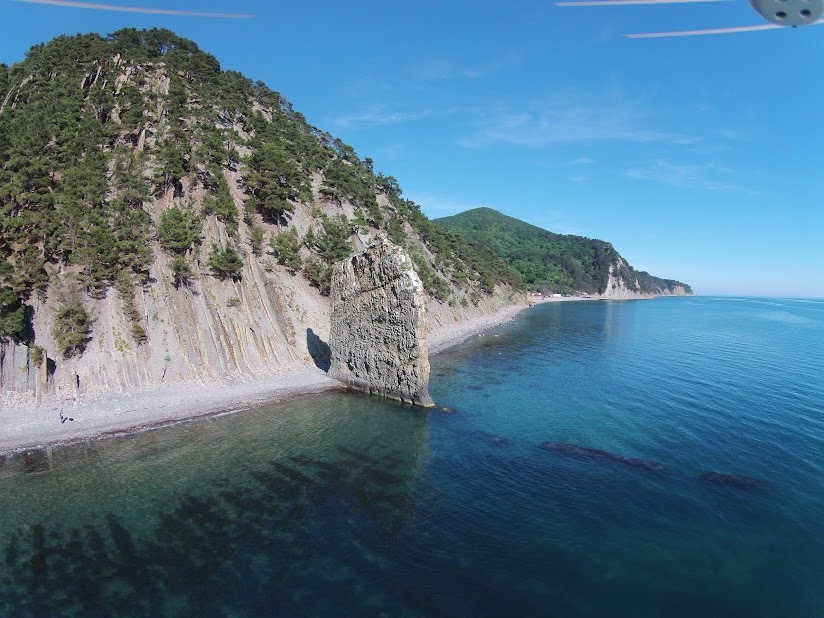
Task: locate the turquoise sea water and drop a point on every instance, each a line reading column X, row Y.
column 343, row 504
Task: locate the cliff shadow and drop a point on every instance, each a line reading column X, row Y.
column 319, row 350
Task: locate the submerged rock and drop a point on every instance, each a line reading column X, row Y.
column 490, row 438
column 377, row 338
column 596, row 453
column 732, row 480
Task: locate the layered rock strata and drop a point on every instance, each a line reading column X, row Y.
column 377, row 336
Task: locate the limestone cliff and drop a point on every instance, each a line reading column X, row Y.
column 377, row 337
column 625, row 282
column 619, row 287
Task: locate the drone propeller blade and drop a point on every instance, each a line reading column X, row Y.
column 658, row 35
column 628, row 2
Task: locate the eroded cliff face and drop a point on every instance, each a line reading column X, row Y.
column 377, row 336
column 210, row 329
column 618, row 287
column 676, row 290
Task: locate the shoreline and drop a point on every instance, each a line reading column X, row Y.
column 122, row 413
column 118, row 413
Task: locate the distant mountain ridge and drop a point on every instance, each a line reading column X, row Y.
column 558, row 262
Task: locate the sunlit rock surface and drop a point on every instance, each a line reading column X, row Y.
column 377, row 335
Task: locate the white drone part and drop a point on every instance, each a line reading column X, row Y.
column 789, row 12
column 780, row 14
column 628, row 2
column 677, row 33
column 661, row 35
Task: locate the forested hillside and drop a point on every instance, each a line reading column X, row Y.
column 94, row 130
column 148, row 197
column 554, row 262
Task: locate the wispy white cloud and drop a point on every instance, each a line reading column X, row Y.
column 582, row 161
column 380, row 116
column 578, row 178
column 434, row 206
column 374, row 117
column 570, row 119
column 441, row 69
column 136, row 9
column 553, row 222
column 707, row 176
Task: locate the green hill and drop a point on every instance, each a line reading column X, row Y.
column 556, row 262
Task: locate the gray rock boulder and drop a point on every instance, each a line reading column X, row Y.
column 377, row 335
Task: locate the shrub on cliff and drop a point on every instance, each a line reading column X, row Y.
column 178, row 229
column 319, row 274
column 286, row 249
column 12, row 314
column 181, row 271
column 72, row 326
column 225, row 262
column 331, row 242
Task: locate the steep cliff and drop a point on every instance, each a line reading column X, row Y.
column 162, row 220
column 377, row 336
column 621, row 283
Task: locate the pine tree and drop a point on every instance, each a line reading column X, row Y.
column 181, row 271
column 12, row 315
column 225, row 262
column 286, row 249
column 256, row 239
column 178, row 229
column 72, row 326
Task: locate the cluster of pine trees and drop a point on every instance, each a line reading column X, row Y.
column 93, row 129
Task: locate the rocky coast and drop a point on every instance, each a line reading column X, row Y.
column 114, row 413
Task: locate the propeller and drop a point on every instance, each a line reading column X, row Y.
column 661, row 35
column 780, row 14
column 629, row 2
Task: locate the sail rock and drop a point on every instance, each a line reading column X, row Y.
column 377, row 337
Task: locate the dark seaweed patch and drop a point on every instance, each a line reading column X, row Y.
column 732, row 480
column 35, row 461
column 490, row 438
column 596, row 454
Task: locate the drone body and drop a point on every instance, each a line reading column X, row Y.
column 789, row 12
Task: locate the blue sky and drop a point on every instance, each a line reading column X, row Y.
column 699, row 158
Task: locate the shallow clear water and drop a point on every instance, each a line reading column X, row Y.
column 348, row 505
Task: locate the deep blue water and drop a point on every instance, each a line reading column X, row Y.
column 343, row 504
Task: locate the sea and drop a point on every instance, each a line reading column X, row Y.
column 607, row 458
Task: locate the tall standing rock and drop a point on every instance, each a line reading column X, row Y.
column 377, row 335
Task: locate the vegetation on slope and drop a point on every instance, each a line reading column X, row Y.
column 94, row 131
column 549, row 261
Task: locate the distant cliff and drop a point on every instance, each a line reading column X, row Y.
column 558, row 262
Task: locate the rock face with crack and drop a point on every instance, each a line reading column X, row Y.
column 377, row 334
